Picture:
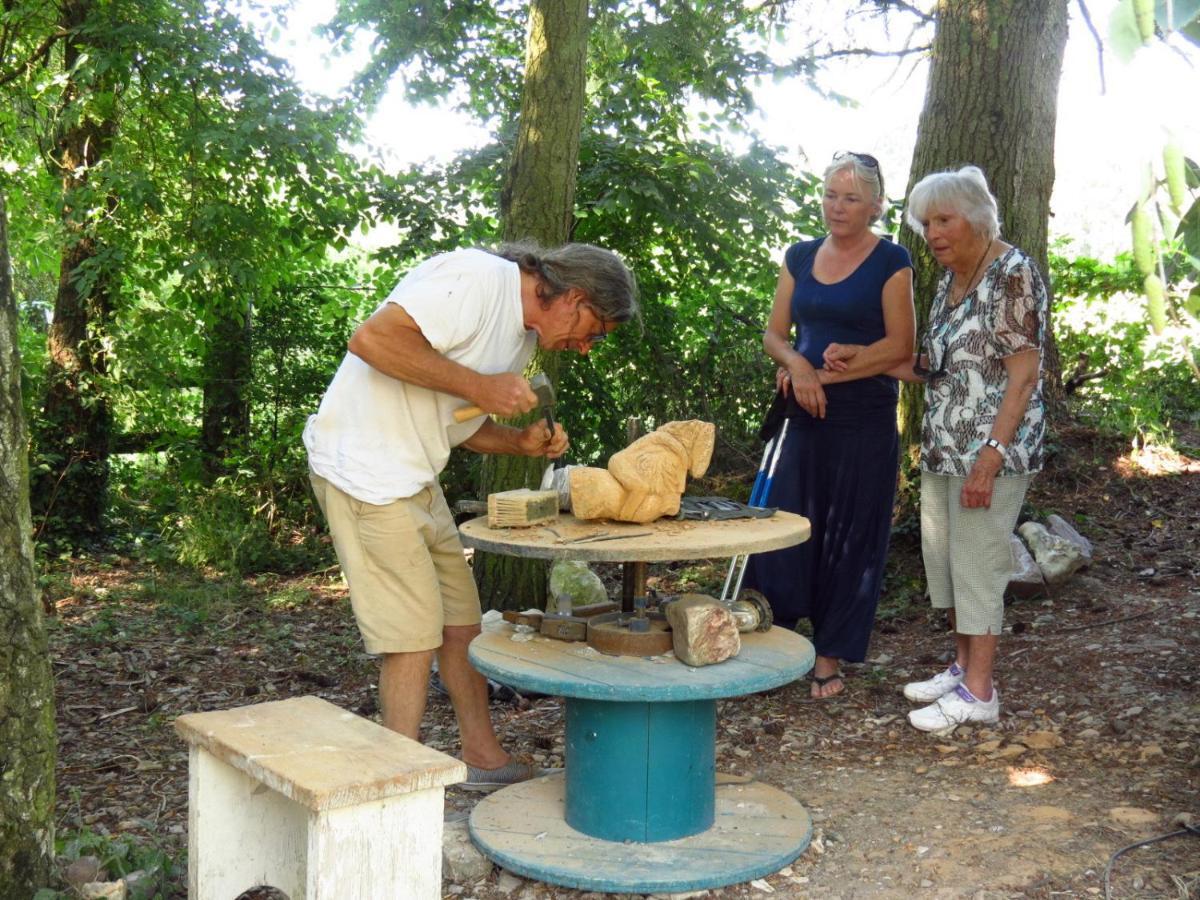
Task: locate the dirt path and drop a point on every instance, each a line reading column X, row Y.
column 1098, row 687
column 1108, row 717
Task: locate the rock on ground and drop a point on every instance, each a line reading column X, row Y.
column 461, row 860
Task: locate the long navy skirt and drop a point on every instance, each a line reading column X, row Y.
column 840, row 474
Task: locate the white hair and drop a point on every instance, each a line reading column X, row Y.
column 965, row 192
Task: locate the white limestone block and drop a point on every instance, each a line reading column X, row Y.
column 1060, row 527
column 1057, row 557
column 1026, row 580
column 462, row 862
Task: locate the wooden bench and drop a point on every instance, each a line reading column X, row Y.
column 314, row 801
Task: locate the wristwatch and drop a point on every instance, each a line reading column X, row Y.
column 996, row 445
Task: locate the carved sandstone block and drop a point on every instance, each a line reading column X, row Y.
column 646, row 479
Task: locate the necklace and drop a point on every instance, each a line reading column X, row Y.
column 954, row 301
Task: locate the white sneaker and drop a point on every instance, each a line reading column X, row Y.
column 938, row 686
column 956, row 708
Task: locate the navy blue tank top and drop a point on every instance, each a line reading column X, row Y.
column 849, row 311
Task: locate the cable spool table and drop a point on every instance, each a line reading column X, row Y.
column 640, row 808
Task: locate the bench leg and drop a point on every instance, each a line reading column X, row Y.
column 384, row 848
column 243, row 834
column 240, row 833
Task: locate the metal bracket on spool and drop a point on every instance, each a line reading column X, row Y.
column 640, row 633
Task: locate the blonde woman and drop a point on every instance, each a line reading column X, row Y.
column 837, row 463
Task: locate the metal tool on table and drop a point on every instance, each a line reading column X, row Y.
column 566, row 623
column 647, row 632
column 759, row 495
column 644, row 632
column 719, row 509
column 603, row 536
column 541, row 386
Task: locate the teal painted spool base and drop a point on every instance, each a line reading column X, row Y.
column 757, row 829
column 640, row 771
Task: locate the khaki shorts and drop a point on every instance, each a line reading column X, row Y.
column 967, row 553
column 404, row 565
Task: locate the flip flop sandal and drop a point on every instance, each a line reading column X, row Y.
column 821, row 681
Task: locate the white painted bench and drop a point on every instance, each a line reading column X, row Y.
column 313, row 801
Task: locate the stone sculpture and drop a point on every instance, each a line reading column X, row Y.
column 646, row 479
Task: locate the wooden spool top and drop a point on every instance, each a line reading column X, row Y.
column 668, row 540
column 573, row 669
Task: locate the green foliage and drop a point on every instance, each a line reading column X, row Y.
column 1126, row 35
column 246, row 521
column 219, row 195
column 1100, row 322
column 121, row 855
column 701, row 225
column 703, row 229
column 474, row 52
column 1166, row 249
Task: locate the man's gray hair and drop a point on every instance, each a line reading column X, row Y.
column 610, row 287
column 964, row 192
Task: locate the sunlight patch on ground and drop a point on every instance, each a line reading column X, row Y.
column 1155, row 460
column 1029, row 777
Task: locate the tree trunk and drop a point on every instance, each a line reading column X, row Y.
column 26, row 685
column 992, row 102
column 538, row 202
column 227, row 372
column 74, row 433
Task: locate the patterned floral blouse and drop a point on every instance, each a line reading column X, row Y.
column 1004, row 315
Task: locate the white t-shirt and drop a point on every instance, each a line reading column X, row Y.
column 378, row 438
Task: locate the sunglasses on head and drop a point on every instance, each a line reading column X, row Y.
column 865, row 158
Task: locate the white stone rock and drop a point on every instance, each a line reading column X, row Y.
column 1057, row 557
column 1026, row 580
column 1060, row 527
column 103, row 890
column 559, row 480
column 461, row 860
column 141, row 883
column 508, row 882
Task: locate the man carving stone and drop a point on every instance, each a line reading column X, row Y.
column 646, row 479
column 458, row 330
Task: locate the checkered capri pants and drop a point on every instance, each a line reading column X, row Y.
column 968, row 556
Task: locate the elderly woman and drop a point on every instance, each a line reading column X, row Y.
column 981, row 441
column 837, row 463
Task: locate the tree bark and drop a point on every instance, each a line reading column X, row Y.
column 538, row 202
column 992, row 101
column 27, row 745
column 74, row 433
column 227, row 372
